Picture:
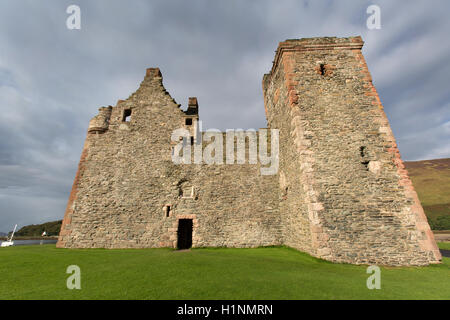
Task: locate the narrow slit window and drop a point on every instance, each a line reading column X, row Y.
column 322, row 69
column 362, row 151
column 126, row 115
column 364, row 159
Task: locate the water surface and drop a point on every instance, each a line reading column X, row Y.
column 33, row 242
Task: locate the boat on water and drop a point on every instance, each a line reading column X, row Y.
column 9, row 241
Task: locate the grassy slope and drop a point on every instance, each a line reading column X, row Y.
column 35, row 230
column 431, row 179
column 39, row 272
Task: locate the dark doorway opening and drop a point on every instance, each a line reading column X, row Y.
column 184, row 233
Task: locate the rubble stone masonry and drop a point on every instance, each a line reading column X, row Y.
column 341, row 192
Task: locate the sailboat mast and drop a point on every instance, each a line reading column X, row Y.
column 12, row 235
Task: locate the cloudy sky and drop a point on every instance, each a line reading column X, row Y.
column 53, row 80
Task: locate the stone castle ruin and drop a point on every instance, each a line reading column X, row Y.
column 341, row 192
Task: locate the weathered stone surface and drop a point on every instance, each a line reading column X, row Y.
column 126, row 179
column 342, row 168
column 341, row 192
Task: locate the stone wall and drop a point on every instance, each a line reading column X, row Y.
column 128, row 194
column 347, row 197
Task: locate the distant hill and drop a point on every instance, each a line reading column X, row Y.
column 36, row 230
column 431, row 179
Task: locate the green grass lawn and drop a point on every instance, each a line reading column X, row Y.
column 39, row 272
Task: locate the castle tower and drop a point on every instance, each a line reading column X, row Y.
column 346, row 196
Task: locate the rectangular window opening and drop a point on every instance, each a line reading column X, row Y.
column 363, row 155
column 322, row 69
column 126, row 115
column 168, row 210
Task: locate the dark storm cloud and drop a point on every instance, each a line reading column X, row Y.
column 53, row 80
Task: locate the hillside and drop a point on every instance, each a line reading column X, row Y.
column 35, row 230
column 431, row 179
